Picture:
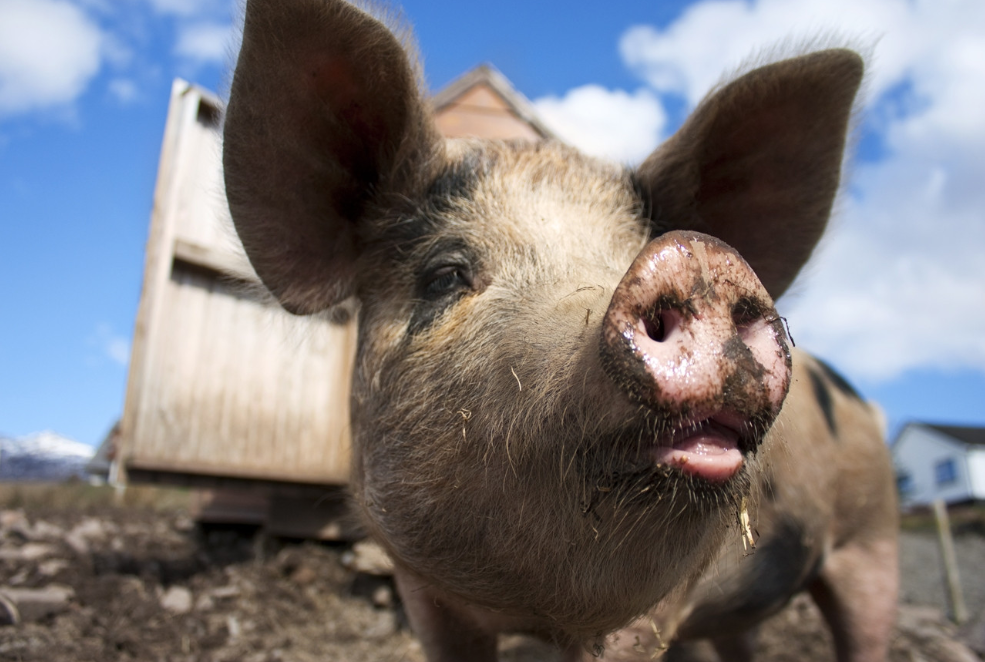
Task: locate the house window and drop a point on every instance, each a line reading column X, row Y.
column 945, row 472
column 904, row 483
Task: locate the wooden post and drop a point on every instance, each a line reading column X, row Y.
column 952, row 579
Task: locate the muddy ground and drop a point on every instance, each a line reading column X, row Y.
column 91, row 581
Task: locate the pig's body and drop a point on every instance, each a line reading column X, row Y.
column 569, row 373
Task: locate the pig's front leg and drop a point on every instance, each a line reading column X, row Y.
column 857, row 592
column 448, row 632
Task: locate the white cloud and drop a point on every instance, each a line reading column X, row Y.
column 205, row 42
column 124, row 89
column 183, row 7
column 49, row 52
column 712, row 37
column 116, row 51
column 899, row 283
column 612, row 124
column 118, row 350
column 205, row 30
column 112, row 345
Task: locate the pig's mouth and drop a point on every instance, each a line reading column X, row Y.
column 700, row 459
column 710, row 448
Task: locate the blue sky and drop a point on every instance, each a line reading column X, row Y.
column 895, row 297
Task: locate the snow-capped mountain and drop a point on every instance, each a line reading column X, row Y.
column 43, row 456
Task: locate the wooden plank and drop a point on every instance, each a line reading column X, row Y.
column 222, row 262
column 157, row 265
column 949, row 564
column 156, row 401
column 195, row 341
column 325, row 518
column 175, row 476
column 198, row 473
column 245, row 384
column 231, row 506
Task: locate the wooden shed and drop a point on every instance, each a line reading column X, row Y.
column 227, row 391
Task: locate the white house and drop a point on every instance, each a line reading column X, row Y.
column 939, row 461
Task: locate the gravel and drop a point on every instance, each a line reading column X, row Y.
column 923, row 576
column 122, row 585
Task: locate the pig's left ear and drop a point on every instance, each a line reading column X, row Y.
column 325, row 118
column 758, row 162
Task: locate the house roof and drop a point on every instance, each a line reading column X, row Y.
column 100, row 463
column 484, row 104
column 972, row 436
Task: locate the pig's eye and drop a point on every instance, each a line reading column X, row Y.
column 446, row 280
column 441, row 284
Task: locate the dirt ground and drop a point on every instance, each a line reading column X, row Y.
column 103, row 583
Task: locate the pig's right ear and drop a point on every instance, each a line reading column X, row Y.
column 324, row 116
column 758, row 163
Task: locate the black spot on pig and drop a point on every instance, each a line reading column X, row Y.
column 824, row 401
column 458, row 180
column 452, row 188
column 838, row 381
column 786, row 562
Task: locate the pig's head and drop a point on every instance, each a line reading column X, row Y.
column 565, row 367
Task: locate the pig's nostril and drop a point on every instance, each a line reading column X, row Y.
column 657, row 324
column 745, row 312
column 654, row 328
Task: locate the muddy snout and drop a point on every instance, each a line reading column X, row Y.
column 692, row 334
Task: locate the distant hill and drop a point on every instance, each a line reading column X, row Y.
column 43, row 456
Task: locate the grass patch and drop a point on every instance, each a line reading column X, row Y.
column 81, row 496
column 967, row 518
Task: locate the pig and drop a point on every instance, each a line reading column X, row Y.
column 575, row 410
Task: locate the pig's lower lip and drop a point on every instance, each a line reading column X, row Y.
column 710, row 449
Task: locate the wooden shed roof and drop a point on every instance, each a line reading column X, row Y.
column 483, row 104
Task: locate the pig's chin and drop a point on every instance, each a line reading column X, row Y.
column 582, row 532
column 585, row 546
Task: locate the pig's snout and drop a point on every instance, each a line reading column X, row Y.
column 692, row 334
